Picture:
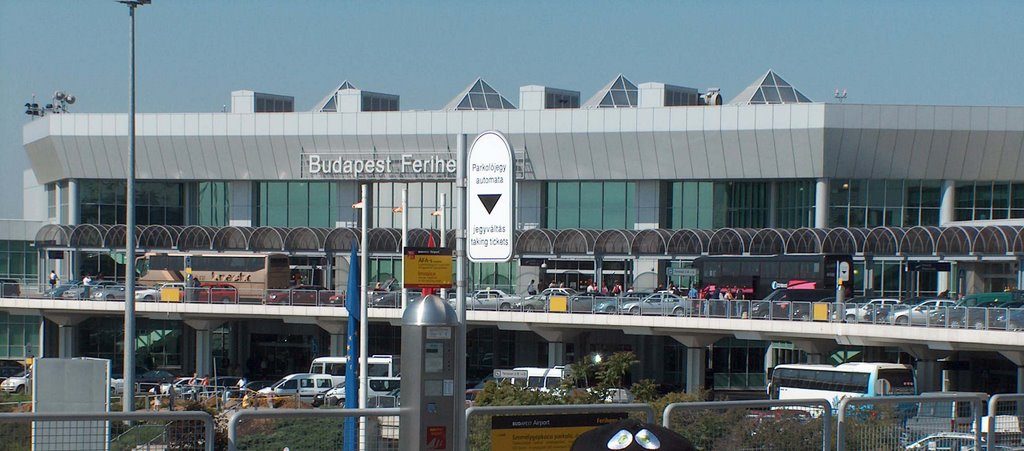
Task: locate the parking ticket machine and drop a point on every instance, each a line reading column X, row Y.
column 429, row 331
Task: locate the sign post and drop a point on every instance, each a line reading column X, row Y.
column 490, row 179
column 842, row 275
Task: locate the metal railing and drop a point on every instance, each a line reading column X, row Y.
column 802, row 424
column 108, row 430
column 951, row 317
column 1004, row 421
column 310, row 428
column 478, row 419
column 945, row 420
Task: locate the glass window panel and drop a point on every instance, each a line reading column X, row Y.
column 1017, row 193
column 788, row 96
column 567, row 205
column 614, row 206
column 478, row 101
column 757, row 97
column 929, row 217
column 858, row 192
column 619, row 98
column 1001, row 196
column 771, row 95
column 632, row 97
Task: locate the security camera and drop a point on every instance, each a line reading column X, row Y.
column 70, row 99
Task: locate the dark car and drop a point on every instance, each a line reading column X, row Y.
column 58, row 291
column 787, row 303
column 980, row 316
column 10, row 288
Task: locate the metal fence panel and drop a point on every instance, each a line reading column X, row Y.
column 310, row 429
column 479, row 419
column 1004, row 421
column 933, row 421
column 138, row 431
column 753, row 425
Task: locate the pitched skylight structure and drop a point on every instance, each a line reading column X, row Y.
column 329, row 104
column 479, row 96
column 619, row 93
column 770, row 89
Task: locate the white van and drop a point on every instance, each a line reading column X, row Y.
column 543, row 379
column 377, row 366
column 306, row 385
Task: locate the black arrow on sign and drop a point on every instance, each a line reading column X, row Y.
column 489, row 201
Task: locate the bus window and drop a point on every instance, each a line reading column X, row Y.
column 378, row 369
column 335, row 369
column 317, row 368
column 901, row 381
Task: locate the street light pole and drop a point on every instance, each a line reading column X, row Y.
column 128, row 397
column 364, row 324
column 441, row 231
column 405, row 241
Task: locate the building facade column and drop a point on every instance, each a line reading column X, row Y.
column 204, row 352
column 66, row 345
column 69, row 264
column 696, row 368
column 929, row 375
column 821, row 203
column 240, row 208
column 556, row 354
column 947, row 203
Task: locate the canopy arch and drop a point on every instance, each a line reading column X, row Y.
column 232, row 238
column 268, row 239
column 651, row 242
column 995, row 240
column 54, row 235
column 536, row 241
column 342, row 239
column 689, row 242
column 614, row 242
column 384, row 240
column 158, row 237
column 919, row 240
column 883, row 241
column 193, row 238
column 730, row 241
column 575, row 241
column 806, row 241
column 422, row 237
column 88, row 236
column 305, row 239
column 957, row 240
column 769, row 242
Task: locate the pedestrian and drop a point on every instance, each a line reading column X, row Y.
column 532, row 288
column 86, row 282
column 692, row 294
column 53, row 279
column 617, row 289
column 604, row 290
column 552, row 284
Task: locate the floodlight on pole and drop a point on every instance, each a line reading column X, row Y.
column 439, row 214
column 128, row 400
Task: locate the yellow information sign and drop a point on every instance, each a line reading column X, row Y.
column 545, row 432
column 427, row 267
column 558, row 303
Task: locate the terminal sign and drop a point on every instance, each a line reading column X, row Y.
column 490, row 178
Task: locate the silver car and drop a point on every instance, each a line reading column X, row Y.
column 660, row 303
column 919, row 313
column 86, row 291
column 491, row 300
column 108, row 293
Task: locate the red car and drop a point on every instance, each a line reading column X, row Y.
column 224, row 293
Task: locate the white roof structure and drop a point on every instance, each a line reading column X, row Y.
column 618, row 93
column 329, row 103
column 770, row 89
column 479, row 96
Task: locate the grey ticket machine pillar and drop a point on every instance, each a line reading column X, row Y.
column 429, row 331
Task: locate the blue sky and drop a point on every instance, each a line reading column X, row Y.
column 192, row 54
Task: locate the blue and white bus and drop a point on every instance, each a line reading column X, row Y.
column 835, row 383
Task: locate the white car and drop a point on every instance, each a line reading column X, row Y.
column 153, row 293
column 17, row 383
column 491, row 299
column 306, row 385
column 378, row 386
column 873, row 309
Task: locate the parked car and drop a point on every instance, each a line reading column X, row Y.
column 612, row 305
column 869, row 310
column 788, row 302
column 155, row 293
column 10, row 368
column 59, row 290
column 299, row 295
column 977, row 317
column 391, row 399
column 918, row 314
column 84, row 291
column 251, row 386
column 491, row 299
column 660, row 303
column 221, row 292
column 10, row 288
column 305, row 385
column 393, row 299
column 17, row 383
column 1010, row 319
column 108, row 293
column 378, row 386
column 540, row 301
column 586, row 302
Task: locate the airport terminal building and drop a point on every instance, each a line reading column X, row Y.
column 629, row 186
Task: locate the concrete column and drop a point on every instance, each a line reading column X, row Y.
column 648, row 205
column 337, row 348
column 598, row 275
column 348, row 194
column 1020, row 379
column 947, row 203
column 240, row 210
column 525, row 275
column 72, row 218
column 696, row 368
column 814, row 359
column 929, row 376
column 529, row 204
column 66, row 345
column 204, row 352
column 69, row 264
column 821, row 203
column 556, row 354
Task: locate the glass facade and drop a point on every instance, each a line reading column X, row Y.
column 159, row 342
column 103, row 202
column 297, row 204
column 794, row 204
column 894, row 203
column 499, row 276
column 212, row 204
column 422, row 199
column 989, row 200
column 591, row 205
column 738, row 364
column 18, row 260
column 19, row 336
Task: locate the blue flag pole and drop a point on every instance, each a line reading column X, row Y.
column 352, row 296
